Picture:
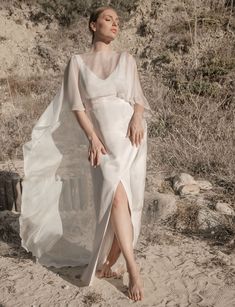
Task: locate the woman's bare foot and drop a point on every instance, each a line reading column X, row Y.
column 135, row 290
column 105, row 270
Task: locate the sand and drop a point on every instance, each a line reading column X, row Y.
column 177, row 270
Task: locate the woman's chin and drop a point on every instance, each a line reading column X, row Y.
column 112, row 36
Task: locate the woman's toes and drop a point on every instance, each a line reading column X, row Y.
column 141, row 294
column 100, row 274
column 106, row 272
column 136, row 291
column 135, row 297
column 114, row 273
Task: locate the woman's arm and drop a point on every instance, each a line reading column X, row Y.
column 85, row 124
column 96, row 147
column 138, row 109
column 135, row 129
column 139, row 102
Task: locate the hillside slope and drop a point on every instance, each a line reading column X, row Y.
column 185, row 52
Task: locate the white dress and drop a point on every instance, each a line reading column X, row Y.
column 66, row 203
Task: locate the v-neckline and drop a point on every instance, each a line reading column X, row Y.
column 109, row 76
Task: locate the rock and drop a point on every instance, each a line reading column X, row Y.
column 231, row 244
column 155, row 182
column 164, row 206
column 10, row 191
column 208, row 220
column 184, row 184
column 204, row 184
column 9, row 226
column 182, row 179
column 224, row 208
column 189, row 189
column 194, row 218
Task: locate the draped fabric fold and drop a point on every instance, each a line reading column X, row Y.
column 56, row 171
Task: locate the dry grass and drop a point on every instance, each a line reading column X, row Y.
column 194, row 69
column 185, row 220
column 187, row 60
column 66, row 13
column 23, row 102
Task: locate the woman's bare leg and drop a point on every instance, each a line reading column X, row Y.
column 122, row 226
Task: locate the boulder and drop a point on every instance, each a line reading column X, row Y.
column 155, row 182
column 194, row 218
column 208, row 220
column 10, row 191
column 165, row 205
column 184, row 184
column 189, row 189
column 224, row 208
column 204, row 184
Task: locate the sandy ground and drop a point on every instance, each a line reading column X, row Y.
column 176, row 270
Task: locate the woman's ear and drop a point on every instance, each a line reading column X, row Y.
column 92, row 26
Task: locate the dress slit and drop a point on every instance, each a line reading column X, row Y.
column 108, row 236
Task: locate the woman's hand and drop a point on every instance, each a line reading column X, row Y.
column 96, row 148
column 135, row 129
column 95, row 145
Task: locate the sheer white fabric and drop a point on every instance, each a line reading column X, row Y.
column 119, row 69
column 66, row 203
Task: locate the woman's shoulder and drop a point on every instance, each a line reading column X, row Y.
column 128, row 53
column 130, row 58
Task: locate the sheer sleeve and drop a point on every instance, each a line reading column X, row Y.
column 137, row 95
column 71, row 85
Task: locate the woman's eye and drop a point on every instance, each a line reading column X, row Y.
column 118, row 23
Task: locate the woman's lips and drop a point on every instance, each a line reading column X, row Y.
column 114, row 30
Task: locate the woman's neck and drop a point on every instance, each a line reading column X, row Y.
column 101, row 48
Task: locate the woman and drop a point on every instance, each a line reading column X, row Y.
column 86, row 210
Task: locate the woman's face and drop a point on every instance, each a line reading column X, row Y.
column 106, row 26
